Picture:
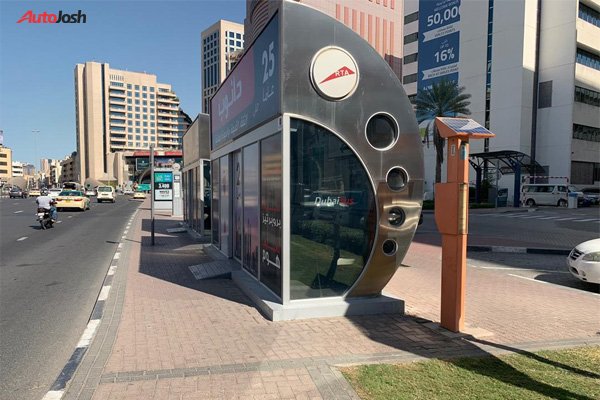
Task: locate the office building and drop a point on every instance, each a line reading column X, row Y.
column 379, row 22
column 5, row 164
column 17, row 169
column 68, row 169
column 222, row 44
column 533, row 76
column 117, row 113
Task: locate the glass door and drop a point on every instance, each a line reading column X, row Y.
column 238, row 204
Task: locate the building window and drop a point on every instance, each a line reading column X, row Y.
column 587, row 96
column 129, row 86
column 409, row 79
column 588, row 14
column 412, row 98
column 545, row 94
column 411, row 58
column 129, row 93
column 588, row 59
column 411, row 17
column 587, row 133
column 137, row 87
column 413, row 37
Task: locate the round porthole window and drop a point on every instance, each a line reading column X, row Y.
column 397, row 178
column 389, row 247
column 382, row 131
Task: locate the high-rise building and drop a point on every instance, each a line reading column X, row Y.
column 379, row 22
column 533, row 75
column 117, row 113
column 222, row 44
column 5, row 164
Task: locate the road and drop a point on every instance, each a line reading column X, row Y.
column 49, row 281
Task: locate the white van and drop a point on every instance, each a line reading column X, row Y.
column 105, row 193
column 547, row 194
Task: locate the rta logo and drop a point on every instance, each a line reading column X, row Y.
column 50, row 18
column 344, row 71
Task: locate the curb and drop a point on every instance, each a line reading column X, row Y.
column 521, row 250
column 58, row 388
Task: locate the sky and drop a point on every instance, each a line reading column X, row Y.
column 37, row 61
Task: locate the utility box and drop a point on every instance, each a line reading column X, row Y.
column 572, row 200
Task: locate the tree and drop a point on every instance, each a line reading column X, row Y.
column 443, row 99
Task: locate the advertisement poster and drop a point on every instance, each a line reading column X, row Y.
column 250, row 94
column 270, row 213
column 163, row 186
column 439, row 40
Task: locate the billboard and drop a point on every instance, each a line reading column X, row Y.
column 250, row 94
column 439, row 41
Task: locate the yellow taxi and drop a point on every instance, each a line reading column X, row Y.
column 34, row 192
column 139, row 195
column 72, row 199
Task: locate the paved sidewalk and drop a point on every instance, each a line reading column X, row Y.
column 167, row 335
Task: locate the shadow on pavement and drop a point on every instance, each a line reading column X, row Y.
column 172, row 254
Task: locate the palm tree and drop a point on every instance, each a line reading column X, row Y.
column 443, row 99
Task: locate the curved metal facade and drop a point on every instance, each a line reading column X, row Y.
column 305, row 32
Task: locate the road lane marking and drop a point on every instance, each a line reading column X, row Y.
column 520, row 269
column 111, row 270
column 70, row 216
column 54, row 395
column 554, row 284
column 549, row 218
column 16, row 212
column 586, row 220
column 565, row 219
column 120, row 246
column 59, row 222
column 22, row 238
column 117, row 256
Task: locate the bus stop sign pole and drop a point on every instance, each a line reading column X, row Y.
column 451, row 216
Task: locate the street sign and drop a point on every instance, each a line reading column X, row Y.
column 163, row 185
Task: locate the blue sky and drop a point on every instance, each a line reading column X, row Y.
column 37, row 60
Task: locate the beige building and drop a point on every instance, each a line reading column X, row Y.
column 17, row 168
column 222, row 44
column 379, row 22
column 118, row 112
column 68, row 169
column 5, row 164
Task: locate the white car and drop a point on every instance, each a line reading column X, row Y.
column 54, row 192
column 584, row 261
column 105, row 193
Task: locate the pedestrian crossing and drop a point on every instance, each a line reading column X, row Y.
column 543, row 217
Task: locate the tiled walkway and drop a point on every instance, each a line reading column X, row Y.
column 172, row 336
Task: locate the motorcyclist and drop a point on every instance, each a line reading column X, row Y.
column 49, row 204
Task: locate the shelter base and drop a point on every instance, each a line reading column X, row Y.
column 269, row 305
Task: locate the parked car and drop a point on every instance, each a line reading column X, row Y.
column 548, row 194
column 584, row 261
column 105, row 193
column 18, row 192
column 592, row 193
column 72, row 199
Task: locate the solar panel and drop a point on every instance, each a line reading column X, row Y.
column 464, row 125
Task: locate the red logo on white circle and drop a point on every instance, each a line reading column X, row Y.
column 334, row 73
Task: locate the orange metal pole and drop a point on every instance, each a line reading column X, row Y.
column 452, row 219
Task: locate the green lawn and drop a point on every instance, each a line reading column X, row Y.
column 565, row 374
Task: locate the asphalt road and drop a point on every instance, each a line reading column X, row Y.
column 49, row 282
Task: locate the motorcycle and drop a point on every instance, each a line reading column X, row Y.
column 44, row 218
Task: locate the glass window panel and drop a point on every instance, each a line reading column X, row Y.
column 333, row 216
column 270, row 210
column 225, row 206
column 251, row 211
column 215, row 202
column 237, row 204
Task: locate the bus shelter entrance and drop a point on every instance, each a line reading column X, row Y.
column 317, row 170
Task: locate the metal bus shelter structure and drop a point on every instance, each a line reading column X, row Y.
column 317, row 170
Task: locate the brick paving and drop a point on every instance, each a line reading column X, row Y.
column 183, row 338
